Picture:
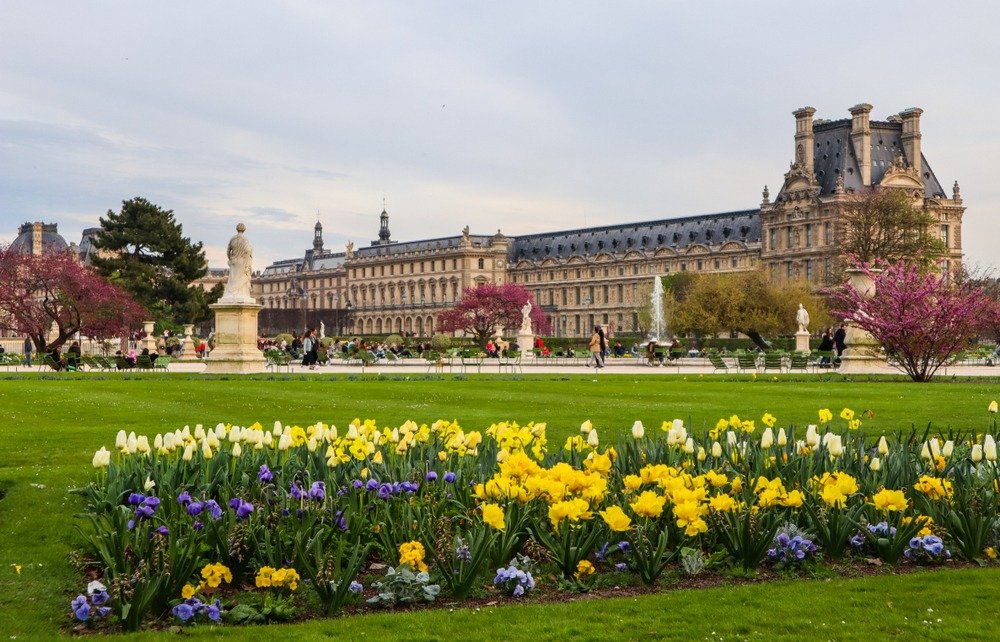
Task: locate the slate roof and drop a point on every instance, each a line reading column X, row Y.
column 676, row 233
column 443, row 243
column 835, row 155
column 52, row 241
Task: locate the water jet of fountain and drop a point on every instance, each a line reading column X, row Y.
column 658, row 326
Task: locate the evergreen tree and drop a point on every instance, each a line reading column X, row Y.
column 143, row 249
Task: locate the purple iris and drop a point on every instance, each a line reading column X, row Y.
column 372, row 484
column 317, row 491
column 431, row 476
column 265, row 475
column 624, row 547
column 295, row 490
column 449, row 477
column 355, row 587
column 162, row 530
column 214, row 510
column 81, row 608
column 357, row 483
column 409, row 487
column 184, row 498
column 136, row 498
column 194, row 508
column 197, row 526
column 385, row 491
column 214, row 612
column 131, row 524
column 621, row 566
column 235, row 502
column 152, row 502
column 99, row 598
column 244, row 509
column 104, row 611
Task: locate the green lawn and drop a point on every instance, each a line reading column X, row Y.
column 51, row 426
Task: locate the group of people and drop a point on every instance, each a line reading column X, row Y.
column 834, row 341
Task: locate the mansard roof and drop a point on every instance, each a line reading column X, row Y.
column 425, row 245
column 676, row 234
column 835, row 156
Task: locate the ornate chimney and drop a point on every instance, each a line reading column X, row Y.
column 804, row 141
column 861, row 138
column 911, row 136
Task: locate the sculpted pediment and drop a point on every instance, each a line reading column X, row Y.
column 901, row 174
column 697, row 248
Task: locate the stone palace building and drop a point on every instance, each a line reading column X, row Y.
column 604, row 274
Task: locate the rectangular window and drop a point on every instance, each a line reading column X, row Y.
column 717, row 264
column 773, row 239
column 606, row 300
column 564, row 299
column 578, row 299
column 684, row 267
column 736, row 262
column 827, row 238
column 809, row 234
column 699, row 266
column 621, row 293
column 422, row 266
column 788, row 237
column 809, row 270
column 944, row 236
column 789, row 270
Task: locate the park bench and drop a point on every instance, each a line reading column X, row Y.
column 774, row 361
column 718, row 363
column 746, row 362
column 799, row 361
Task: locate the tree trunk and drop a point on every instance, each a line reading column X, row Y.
column 758, row 340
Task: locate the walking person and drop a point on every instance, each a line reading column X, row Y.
column 840, row 341
column 310, row 349
column 28, row 347
column 597, row 347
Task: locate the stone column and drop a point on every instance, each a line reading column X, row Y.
column 862, row 354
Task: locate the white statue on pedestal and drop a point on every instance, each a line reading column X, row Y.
column 322, row 330
column 240, row 254
column 802, row 318
column 526, row 318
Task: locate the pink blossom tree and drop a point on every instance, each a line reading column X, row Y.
column 489, row 306
column 40, row 292
column 921, row 321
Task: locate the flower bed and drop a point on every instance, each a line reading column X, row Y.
column 243, row 524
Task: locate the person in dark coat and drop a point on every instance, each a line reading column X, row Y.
column 840, row 340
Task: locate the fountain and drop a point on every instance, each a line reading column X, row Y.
column 658, row 327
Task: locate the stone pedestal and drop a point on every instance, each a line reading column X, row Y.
column 187, row 350
column 802, row 341
column 149, row 341
column 235, row 340
column 526, row 344
column 862, row 353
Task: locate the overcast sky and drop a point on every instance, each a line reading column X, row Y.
column 523, row 116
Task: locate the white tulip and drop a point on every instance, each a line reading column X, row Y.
column 977, row 453
column 188, row 452
column 212, row 440
column 716, row 449
column 782, row 438
column 701, row 454
column 812, row 437
column 331, row 434
column 883, row 446
column 277, row 427
column 935, row 447
column 731, row 438
column 186, row 432
column 352, row 432
column 199, row 432
column 149, row 485
column 131, row 442
column 592, row 440
column 925, row 452
column 948, row 449
column 875, row 464
column 237, row 450
column 158, row 441
column 767, row 439
column 206, row 450
column 990, row 448
column 235, row 434
column 689, row 446
column 835, row 446
column 285, row 442
column 102, row 458
column 220, row 431
column 120, row 439
column 638, row 430
column 312, row 445
column 395, row 435
column 586, row 427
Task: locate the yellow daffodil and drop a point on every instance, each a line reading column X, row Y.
column 493, row 516
column 890, row 500
column 825, row 416
column 768, row 420
column 648, row 504
column 616, row 519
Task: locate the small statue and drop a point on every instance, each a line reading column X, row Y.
column 526, row 318
column 350, row 249
column 240, row 255
column 766, row 194
column 956, row 192
column 802, row 318
column 838, row 187
column 322, row 330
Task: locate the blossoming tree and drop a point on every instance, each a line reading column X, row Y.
column 921, row 321
column 490, row 306
column 57, row 291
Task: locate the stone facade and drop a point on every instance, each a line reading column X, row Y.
column 603, row 275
